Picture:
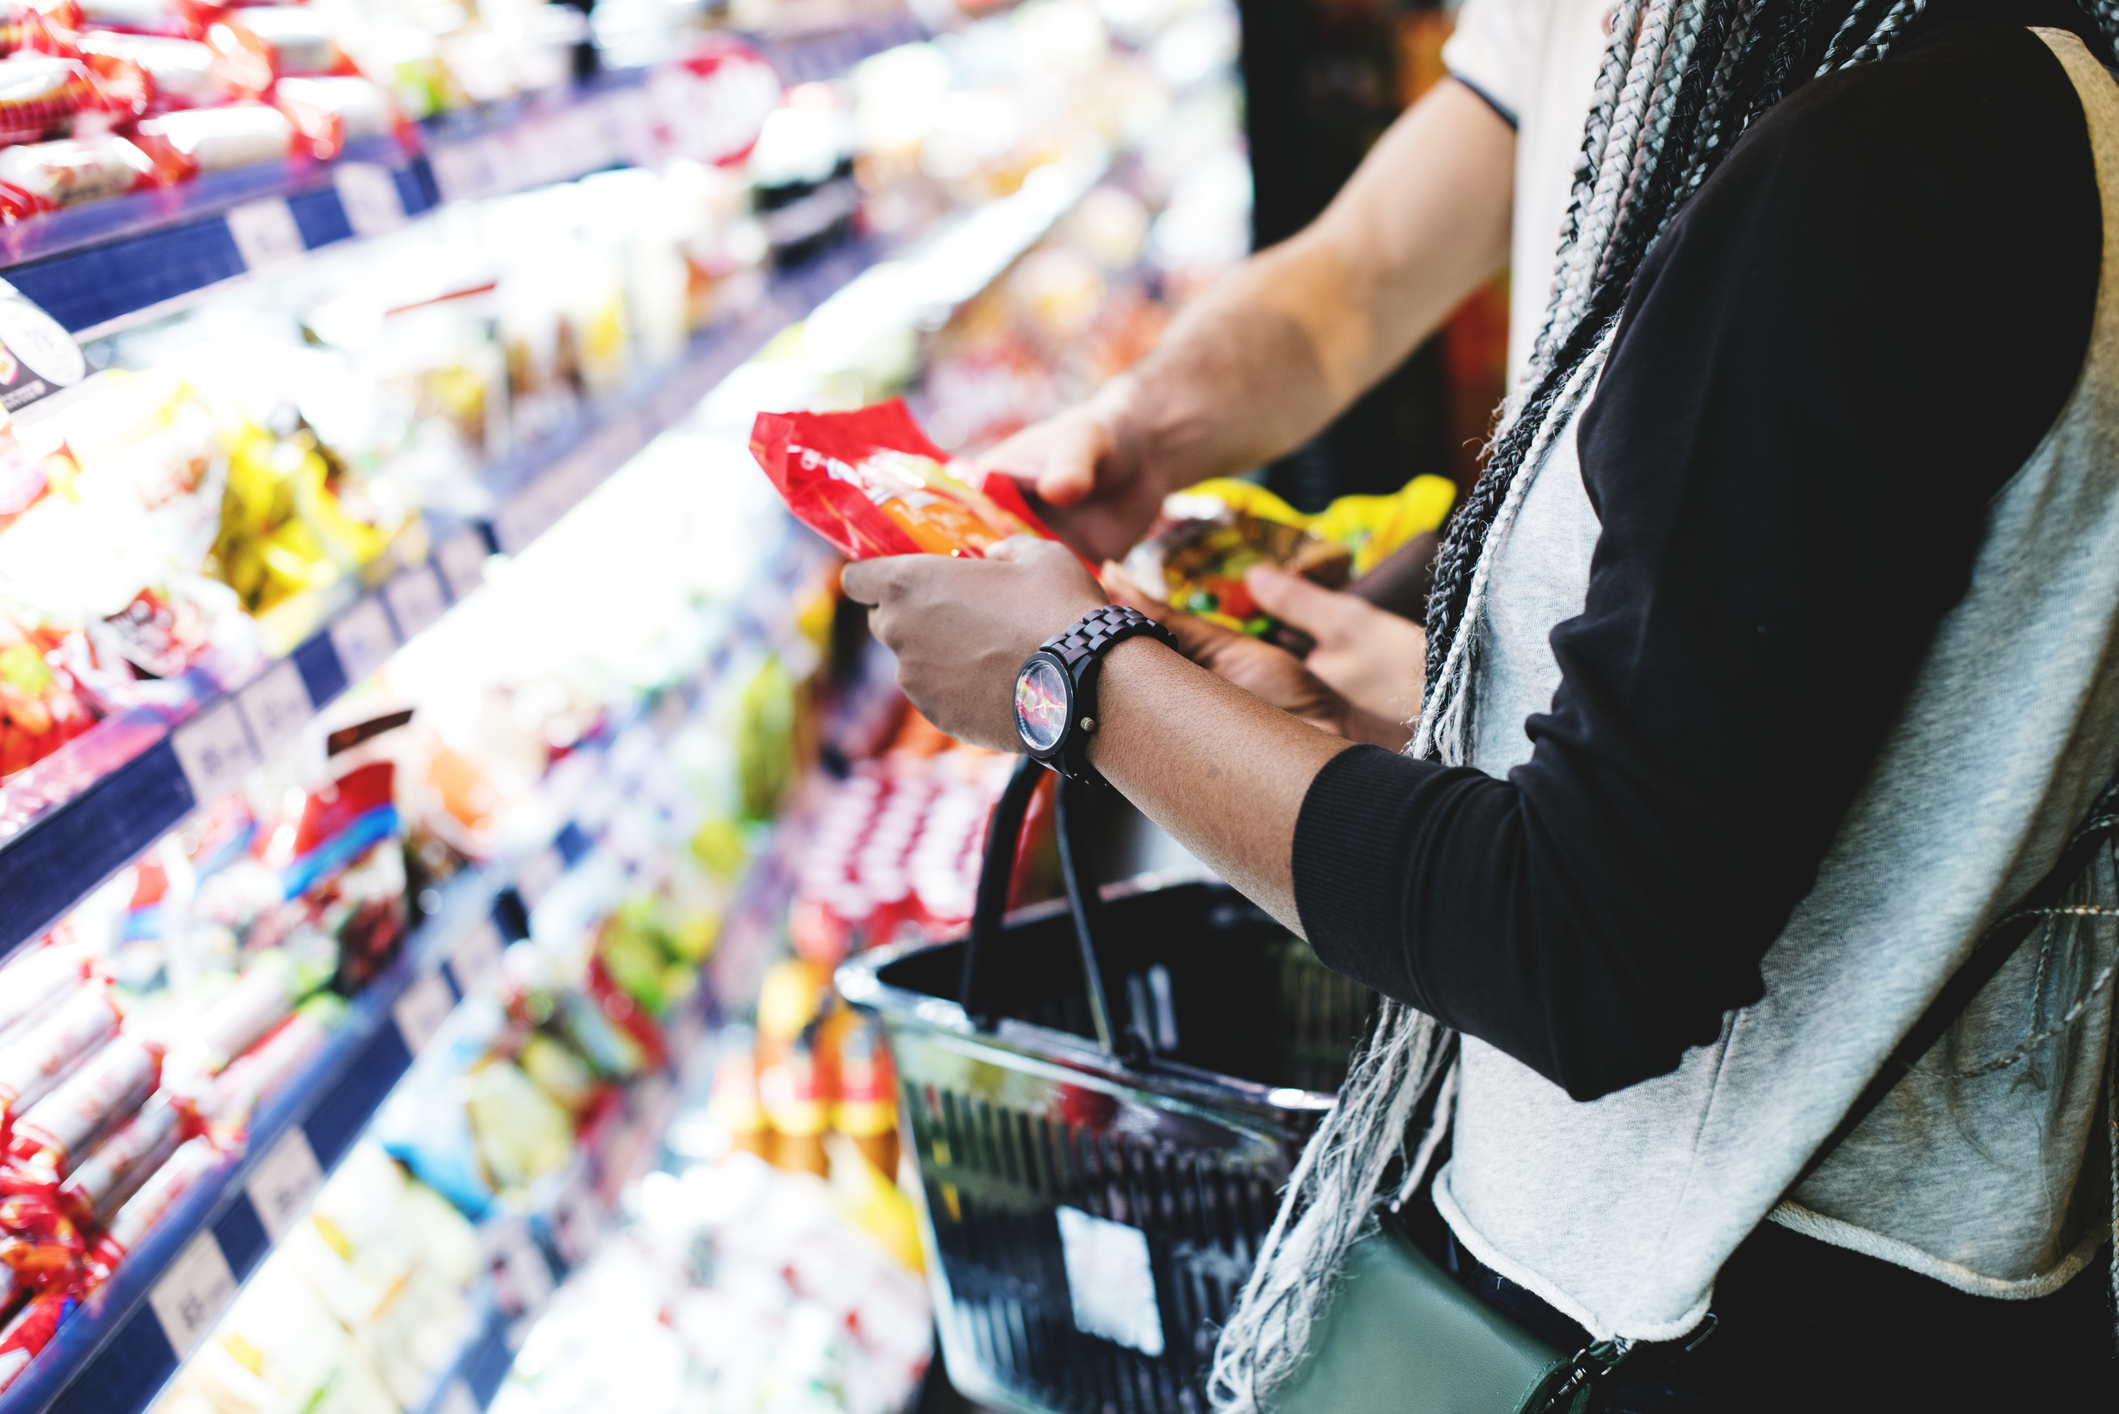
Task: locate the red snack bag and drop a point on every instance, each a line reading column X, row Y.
column 38, row 1242
column 872, row 484
column 30, row 1331
column 184, row 1170
column 39, row 92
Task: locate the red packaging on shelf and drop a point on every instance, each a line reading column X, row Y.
column 39, row 1243
column 35, row 976
column 871, row 483
column 30, row 1331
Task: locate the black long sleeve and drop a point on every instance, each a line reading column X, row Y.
column 1835, row 357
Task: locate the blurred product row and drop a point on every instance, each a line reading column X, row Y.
column 576, row 859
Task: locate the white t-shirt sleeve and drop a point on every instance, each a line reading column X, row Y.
column 1495, row 50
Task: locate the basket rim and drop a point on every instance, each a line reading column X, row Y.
column 860, row 982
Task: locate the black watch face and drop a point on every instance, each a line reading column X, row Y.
column 1041, row 704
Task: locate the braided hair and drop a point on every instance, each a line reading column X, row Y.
column 1681, row 80
column 1679, row 83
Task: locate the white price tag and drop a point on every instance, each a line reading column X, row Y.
column 369, row 194
column 214, row 748
column 535, row 876
column 456, row 1399
column 416, row 600
column 362, row 639
column 523, row 517
column 520, row 1275
column 1110, row 1280
column 284, row 1181
column 462, row 561
column 476, row 957
column 265, row 233
column 276, row 705
column 192, row 1294
column 458, row 170
column 421, row 1011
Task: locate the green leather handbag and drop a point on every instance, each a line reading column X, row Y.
column 1402, row 1337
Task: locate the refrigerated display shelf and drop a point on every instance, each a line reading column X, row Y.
column 114, row 1355
column 100, row 265
column 160, row 764
column 155, row 766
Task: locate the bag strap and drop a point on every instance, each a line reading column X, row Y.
column 1995, row 947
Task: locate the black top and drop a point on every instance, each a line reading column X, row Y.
column 1842, row 348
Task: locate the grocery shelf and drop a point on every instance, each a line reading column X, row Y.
column 100, row 265
column 112, row 1356
column 157, row 765
column 73, row 820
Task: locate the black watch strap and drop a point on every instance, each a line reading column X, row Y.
column 1099, row 629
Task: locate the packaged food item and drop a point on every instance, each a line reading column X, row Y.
column 871, row 483
column 228, row 1106
column 1210, row 534
column 37, row 1057
column 261, row 999
column 49, row 1139
column 42, row 704
column 24, row 1337
column 33, row 977
column 216, row 139
column 39, row 176
column 187, row 73
column 39, row 1244
column 115, row 1168
column 188, row 1165
column 39, row 92
column 331, row 112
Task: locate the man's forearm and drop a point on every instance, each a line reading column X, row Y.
column 1257, row 365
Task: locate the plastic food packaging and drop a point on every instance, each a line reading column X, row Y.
column 39, row 176
column 331, row 112
column 114, row 1170
column 52, row 1137
column 32, row 979
column 187, row 1166
column 871, row 483
column 234, row 1098
column 30, row 1331
column 215, row 139
column 39, row 1056
column 41, row 704
column 261, row 999
column 39, row 92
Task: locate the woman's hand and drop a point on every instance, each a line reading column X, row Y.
column 1088, row 472
column 1372, row 657
column 961, row 628
column 1270, row 673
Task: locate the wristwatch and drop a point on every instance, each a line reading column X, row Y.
column 1055, row 689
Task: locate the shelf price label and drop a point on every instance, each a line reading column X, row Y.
column 535, row 876
column 416, row 600
column 462, row 561
column 521, row 1277
column 214, row 749
column 192, row 1294
column 369, row 194
column 276, row 705
column 423, row 1008
column 265, row 234
column 284, row 1181
column 362, row 639
column 476, row 957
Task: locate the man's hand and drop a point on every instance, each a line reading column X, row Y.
column 1375, row 659
column 961, row 628
column 1087, row 472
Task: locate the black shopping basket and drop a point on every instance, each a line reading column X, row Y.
column 1099, row 1167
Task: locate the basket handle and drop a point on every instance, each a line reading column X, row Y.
column 1003, row 838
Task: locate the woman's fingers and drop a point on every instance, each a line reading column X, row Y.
column 1324, row 614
